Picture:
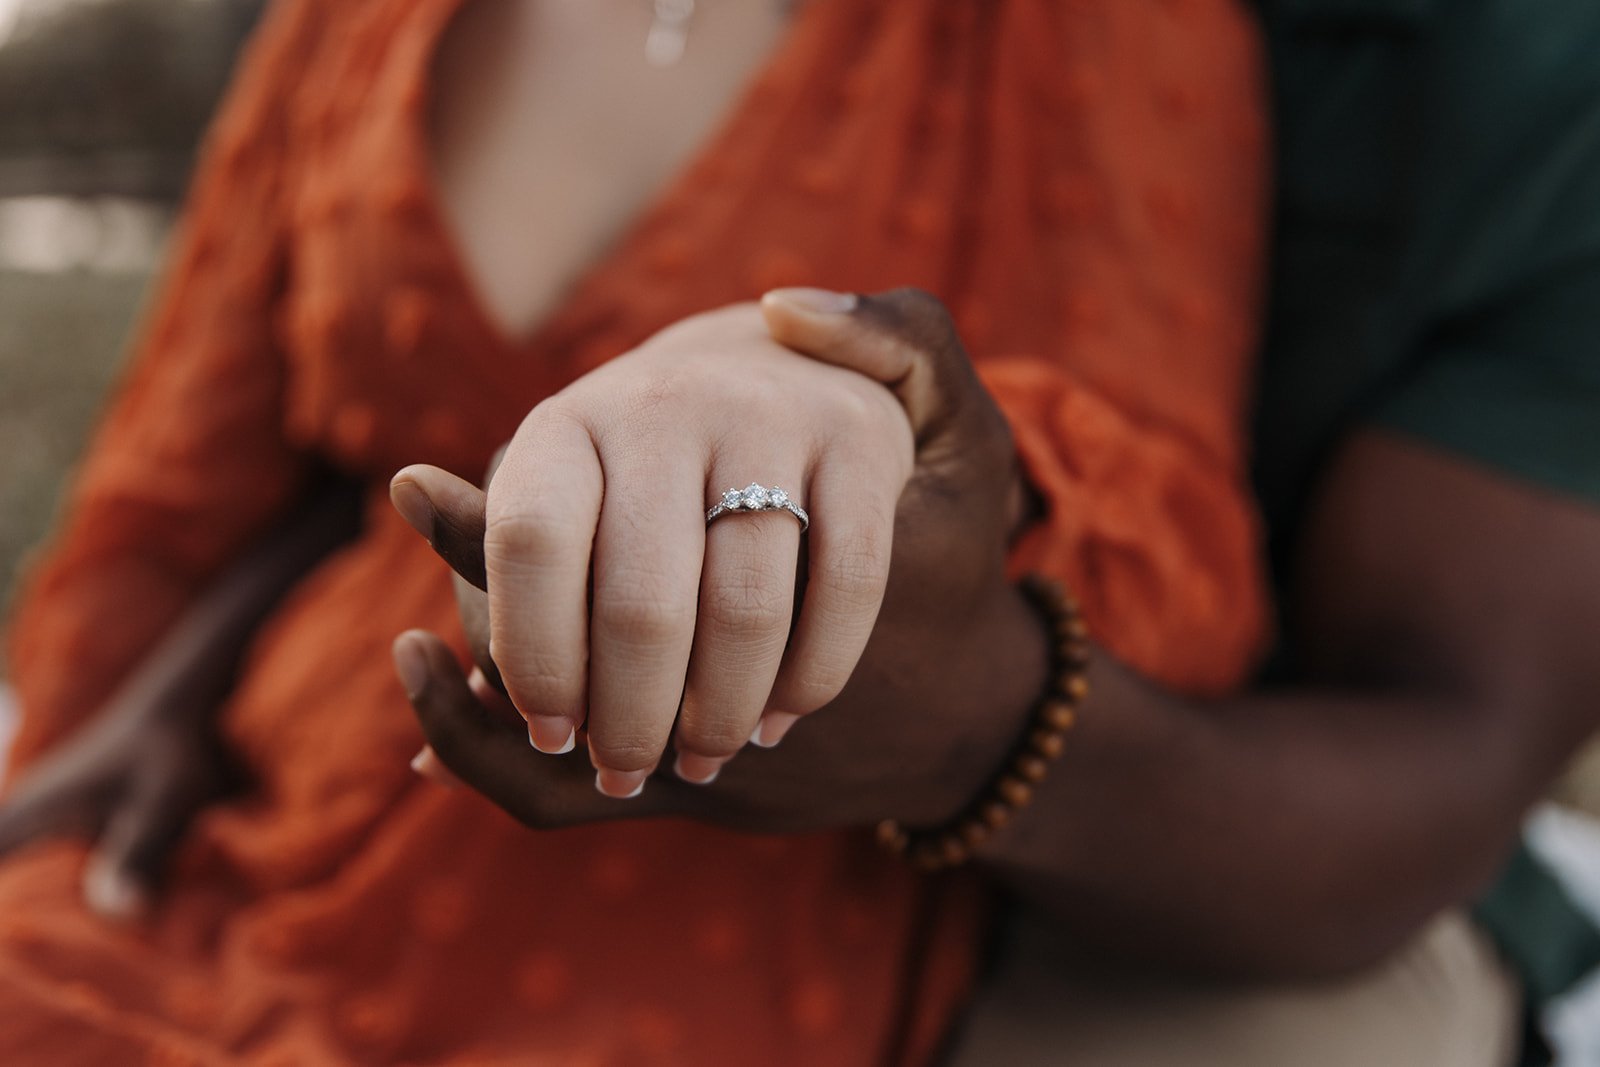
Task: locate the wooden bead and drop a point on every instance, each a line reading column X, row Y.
column 1014, row 788
column 1047, row 743
column 1058, row 715
column 994, row 815
column 1031, row 768
column 1014, row 791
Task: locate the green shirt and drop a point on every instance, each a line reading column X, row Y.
column 1437, row 272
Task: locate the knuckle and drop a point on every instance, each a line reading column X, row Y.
column 542, row 684
column 640, row 611
column 626, row 750
column 714, row 734
column 856, row 572
column 515, row 535
column 749, row 599
column 813, row 686
column 650, row 401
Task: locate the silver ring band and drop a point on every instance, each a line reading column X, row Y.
column 755, row 497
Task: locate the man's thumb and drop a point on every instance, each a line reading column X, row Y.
column 903, row 338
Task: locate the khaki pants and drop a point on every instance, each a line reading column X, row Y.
column 1445, row 1000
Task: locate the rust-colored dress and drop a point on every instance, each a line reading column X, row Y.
column 1084, row 184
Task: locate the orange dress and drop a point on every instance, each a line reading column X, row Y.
column 1084, row 183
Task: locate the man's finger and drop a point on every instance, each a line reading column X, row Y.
column 449, row 512
column 904, row 339
column 489, row 754
column 130, row 858
column 63, row 794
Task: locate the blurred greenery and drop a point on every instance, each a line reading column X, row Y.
column 61, row 341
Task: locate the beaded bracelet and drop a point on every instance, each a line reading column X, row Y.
column 1012, row 789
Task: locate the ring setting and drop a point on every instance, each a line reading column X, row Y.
column 754, row 497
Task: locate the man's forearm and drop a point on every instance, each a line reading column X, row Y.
column 1292, row 833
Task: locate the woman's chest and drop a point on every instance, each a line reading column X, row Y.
column 549, row 129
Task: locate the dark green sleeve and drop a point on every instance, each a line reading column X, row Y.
column 1505, row 362
column 1517, row 389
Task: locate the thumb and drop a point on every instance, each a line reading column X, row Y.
column 131, row 855
column 903, row 338
column 449, row 512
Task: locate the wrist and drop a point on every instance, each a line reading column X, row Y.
column 998, row 670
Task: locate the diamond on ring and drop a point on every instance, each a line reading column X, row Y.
column 756, row 497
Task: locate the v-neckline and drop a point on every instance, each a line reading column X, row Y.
column 437, row 218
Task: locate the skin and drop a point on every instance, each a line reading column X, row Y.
column 1442, row 613
column 135, row 775
column 1441, row 610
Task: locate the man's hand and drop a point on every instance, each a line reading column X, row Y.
column 131, row 780
column 134, row 777
column 924, row 714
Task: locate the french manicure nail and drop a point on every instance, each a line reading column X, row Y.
column 772, row 728
column 620, row 785
column 551, row 734
column 817, row 301
column 697, row 770
column 411, row 664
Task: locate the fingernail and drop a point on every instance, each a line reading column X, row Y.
column 411, row 664
column 111, row 894
column 817, row 301
column 413, row 505
column 698, row 770
column 478, row 682
column 551, row 734
column 772, row 728
column 428, row 765
column 620, row 785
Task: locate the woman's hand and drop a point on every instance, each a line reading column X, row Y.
column 927, row 712
column 614, row 607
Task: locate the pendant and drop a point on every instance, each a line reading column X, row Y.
column 669, row 33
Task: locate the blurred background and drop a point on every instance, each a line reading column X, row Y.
column 102, row 103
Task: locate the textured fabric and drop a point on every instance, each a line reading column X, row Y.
column 1438, row 274
column 1446, row 999
column 1084, row 184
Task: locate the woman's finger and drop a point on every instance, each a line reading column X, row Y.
column 486, row 753
column 540, row 529
column 847, row 572
column 647, row 556
column 746, row 607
